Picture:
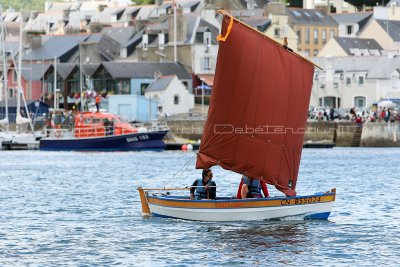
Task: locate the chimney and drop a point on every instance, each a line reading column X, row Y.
column 181, row 26
column 100, row 8
column 31, row 40
column 275, row 8
column 82, row 24
column 65, row 13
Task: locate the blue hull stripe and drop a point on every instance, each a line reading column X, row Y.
column 128, row 142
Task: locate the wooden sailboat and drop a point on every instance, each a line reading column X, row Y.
column 255, row 127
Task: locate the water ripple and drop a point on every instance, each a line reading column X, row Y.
column 83, row 209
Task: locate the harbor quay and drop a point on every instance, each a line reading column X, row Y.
column 340, row 133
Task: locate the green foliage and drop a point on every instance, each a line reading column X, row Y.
column 37, row 5
column 295, row 3
column 143, row 2
column 359, row 3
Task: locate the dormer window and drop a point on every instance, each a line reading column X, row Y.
column 207, row 39
column 349, row 29
column 145, row 42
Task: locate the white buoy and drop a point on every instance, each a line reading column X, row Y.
column 189, row 147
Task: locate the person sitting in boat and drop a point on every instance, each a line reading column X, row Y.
column 251, row 188
column 204, row 188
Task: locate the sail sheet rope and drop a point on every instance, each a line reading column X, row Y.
column 179, row 173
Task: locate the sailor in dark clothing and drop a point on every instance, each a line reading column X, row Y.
column 204, row 188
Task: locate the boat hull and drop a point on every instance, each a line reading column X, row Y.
column 125, row 142
column 316, row 206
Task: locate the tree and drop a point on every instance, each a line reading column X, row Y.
column 295, row 3
column 360, row 3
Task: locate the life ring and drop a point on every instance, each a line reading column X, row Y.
column 58, row 134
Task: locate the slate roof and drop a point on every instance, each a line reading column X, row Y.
column 75, row 17
column 145, row 69
column 392, row 27
column 260, row 23
column 90, row 69
column 190, row 4
column 133, row 42
column 121, row 35
column 130, row 13
column 310, row 17
column 357, row 43
column 376, row 67
column 12, row 48
column 203, row 27
column 109, row 48
column 56, row 46
column 144, row 12
column 65, row 69
column 109, row 12
column 59, row 6
column 44, row 20
column 34, row 72
column 160, row 84
column 12, row 29
column 359, row 17
column 249, row 13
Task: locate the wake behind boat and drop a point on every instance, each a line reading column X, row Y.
column 99, row 131
column 255, row 127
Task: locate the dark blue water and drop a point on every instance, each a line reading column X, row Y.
column 83, row 209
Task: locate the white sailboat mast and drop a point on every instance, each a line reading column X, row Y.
column 19, row 74
column 175, row 34
column 4, row 55
column 55, row 83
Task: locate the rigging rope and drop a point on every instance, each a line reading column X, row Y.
column 180, row 172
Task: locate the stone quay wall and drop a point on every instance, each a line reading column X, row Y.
column 374, row 134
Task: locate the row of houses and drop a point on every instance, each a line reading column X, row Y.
column 127, row 80
column 103, row 45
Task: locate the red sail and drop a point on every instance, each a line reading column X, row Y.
column 258, row 110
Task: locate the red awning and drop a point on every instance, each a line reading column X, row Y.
column 207, row 78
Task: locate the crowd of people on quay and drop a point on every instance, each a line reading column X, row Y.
column 359, row 116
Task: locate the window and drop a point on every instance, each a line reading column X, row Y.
column 143, row 87
column 360, row 80
column 332, row 33
column 123, row 87
column 359, row 101
column 307, row 36
column 324, row 36
column 349, row 29
column 206, row 63
column 15, row 76
column 315, row 36
column 348, row 81
column 207, row 39
column 10, row 92
column 145, row 42
column 315, row 52
column 277, row 32
column 176, row 99
column 307, row 52
column 299, row 35
column 161, row 41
